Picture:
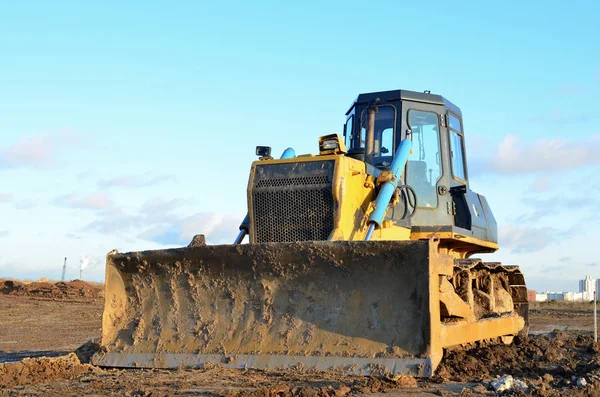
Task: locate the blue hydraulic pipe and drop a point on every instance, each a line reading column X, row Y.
column 369, row 232
column 288, row 153
column 387, row 190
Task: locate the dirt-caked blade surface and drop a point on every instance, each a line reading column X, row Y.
column 362, row 307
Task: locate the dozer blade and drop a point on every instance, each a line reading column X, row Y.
column 363, row 307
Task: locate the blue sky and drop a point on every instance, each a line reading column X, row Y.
column 133, row 126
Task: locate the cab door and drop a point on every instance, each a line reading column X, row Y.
column 426, row 170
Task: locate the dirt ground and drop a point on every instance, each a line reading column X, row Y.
column 60, row 290
column 40, row 328
column 44, row 319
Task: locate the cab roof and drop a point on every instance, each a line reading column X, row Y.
column 414, row 96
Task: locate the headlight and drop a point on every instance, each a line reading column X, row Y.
column 330, row 144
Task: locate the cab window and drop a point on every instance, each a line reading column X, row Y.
column 458, row 165
column 424, row 164
column 349, row 131
column 387, row 141
column 454, row 122
column 457, row 157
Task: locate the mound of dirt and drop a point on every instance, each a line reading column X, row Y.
column 547, row 363
column 59, row 290
column 42, row 369
column 87, row 350
column 360, row 385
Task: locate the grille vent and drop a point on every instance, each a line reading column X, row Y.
column 306, row 180
column 293, row 202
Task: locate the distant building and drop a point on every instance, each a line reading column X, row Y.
column 587, row 287
column 562, row 296
column 541, row 297
column 576, row 296
column 555, row 296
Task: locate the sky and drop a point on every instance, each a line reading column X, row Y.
column 132, row 125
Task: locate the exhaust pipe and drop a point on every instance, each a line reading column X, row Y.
column 370, row 138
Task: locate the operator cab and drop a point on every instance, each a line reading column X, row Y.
column 436, row 170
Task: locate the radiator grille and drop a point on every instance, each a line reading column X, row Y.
column 301, row 181
column 297, row 207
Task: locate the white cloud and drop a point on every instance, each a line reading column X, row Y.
column 218, row 228
column 24, row 204
column 136, row 181
column 153, row 212
column 541, row 183
column 157, row 221
column 543, row 155
column 5, row 197
column 158, row 207
column 17, row 203
column 4, row 233
column 37, row 150
column 84, row 175
column 557, row 205
column 94, row 201
column 112, row 221
column 523, row 239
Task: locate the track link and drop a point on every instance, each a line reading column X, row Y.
column 491, row 288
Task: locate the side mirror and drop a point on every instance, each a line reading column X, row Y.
column 263, row 151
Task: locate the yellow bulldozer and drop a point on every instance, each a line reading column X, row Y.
column 359, row 259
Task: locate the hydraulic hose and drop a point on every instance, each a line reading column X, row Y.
column 387, row 190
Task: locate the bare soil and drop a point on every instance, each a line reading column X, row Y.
column 549, row 363
column 47, row 320
column 54, row 324
column 57, row 290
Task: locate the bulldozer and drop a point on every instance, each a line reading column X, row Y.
column 359, row 259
